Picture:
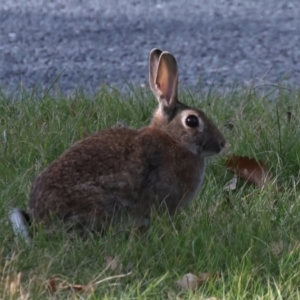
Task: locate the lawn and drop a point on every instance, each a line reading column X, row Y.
column 245, row 242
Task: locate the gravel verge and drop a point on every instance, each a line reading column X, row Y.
column 91, row 42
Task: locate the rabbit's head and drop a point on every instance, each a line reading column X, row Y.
column 188, row 126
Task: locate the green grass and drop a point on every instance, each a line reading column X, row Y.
column 250, row 236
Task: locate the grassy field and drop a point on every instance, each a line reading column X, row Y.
column 248, row 239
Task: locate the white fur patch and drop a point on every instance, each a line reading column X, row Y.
column 19, row 225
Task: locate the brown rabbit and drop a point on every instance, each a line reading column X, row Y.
column 121, row 174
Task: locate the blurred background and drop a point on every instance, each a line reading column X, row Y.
column 90, row 42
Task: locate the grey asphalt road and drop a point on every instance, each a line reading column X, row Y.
column 90, row 42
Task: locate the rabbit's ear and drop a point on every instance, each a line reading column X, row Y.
column 153, row 64
column 166, row 81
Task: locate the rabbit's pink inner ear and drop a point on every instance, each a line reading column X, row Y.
column 167, row 78
column 153, row 64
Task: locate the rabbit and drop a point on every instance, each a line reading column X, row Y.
column 119, row 174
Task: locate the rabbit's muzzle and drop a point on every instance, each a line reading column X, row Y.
column 212, row 145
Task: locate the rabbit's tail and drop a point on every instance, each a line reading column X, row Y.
column 20, row 221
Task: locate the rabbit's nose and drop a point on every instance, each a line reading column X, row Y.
column 222, row 144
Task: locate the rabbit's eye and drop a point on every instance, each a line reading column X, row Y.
column 192, row 121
